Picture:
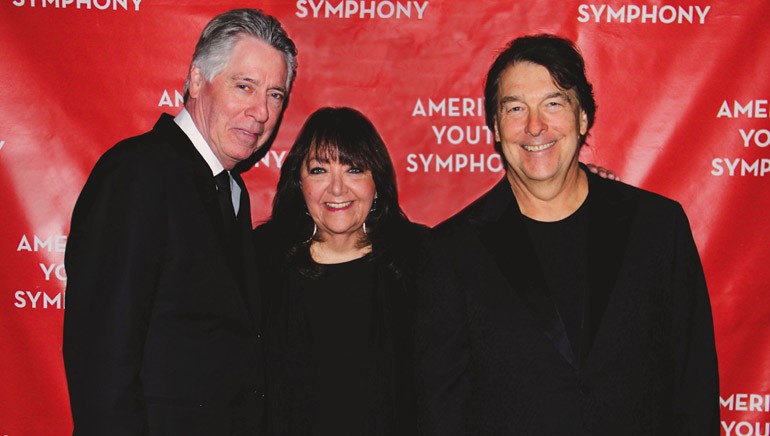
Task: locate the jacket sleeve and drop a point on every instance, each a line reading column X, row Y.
column 112, row 261
column 696, row 395
column 441, row 347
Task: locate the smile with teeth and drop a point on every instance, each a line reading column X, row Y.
column 539, row 147
column 338, row 205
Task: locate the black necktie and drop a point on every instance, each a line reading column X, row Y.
column 233, row 236
column 225, row 197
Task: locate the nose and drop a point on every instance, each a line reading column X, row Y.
column 337, row 183
column 257, row 109
column 535, row 125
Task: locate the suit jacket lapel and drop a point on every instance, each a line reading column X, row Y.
column 506, row 239
column 206, row 188
column 251, row 291
column 202, row 176
column 610, row 217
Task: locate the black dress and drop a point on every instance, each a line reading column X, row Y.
column 338, row 306
column 339, row 353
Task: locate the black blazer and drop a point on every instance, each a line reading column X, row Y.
column 160, row 335
column 495, row 357
column 389, row 407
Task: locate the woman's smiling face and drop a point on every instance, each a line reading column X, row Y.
column 338, row 196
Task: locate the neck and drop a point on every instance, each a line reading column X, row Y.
column 195, row 111
column 551, row 200
column 338, row 249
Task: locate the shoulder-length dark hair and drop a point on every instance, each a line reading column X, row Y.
column 334, row 134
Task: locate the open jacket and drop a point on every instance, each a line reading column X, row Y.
column 493, row 354
column 161, row 335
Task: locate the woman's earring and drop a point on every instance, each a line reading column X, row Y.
column 364, row 227
column 374, row 204
column 315, row 230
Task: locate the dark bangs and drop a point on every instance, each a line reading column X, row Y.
column 346, row 136
column 342, row 139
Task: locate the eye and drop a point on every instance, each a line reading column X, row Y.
column 243, row 87
column 277, row 96
column 513, row 108
column 316, row 170
column 553, row 106
column 356, row 170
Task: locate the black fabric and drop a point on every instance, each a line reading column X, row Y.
column 386, row 399
column 561, row 248
column 231, row 227
column 159, row 335
column 491, row 345
column 339, row 309
column 224, row 195
column 509, row 244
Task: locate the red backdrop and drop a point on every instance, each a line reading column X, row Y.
column 682, row 89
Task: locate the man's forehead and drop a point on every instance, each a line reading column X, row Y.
column 518, row 95
column 251, row 57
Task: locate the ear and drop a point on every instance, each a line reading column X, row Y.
column 583, row 122
column 196, row 81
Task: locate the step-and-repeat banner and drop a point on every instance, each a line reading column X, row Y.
column 682, row 90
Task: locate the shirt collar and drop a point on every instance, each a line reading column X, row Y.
column 186, row 123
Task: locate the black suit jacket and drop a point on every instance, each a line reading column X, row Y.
column 493, row 353
column 160, row 334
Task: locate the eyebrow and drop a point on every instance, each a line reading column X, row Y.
column 238, row 77
column 279, row 88
column 559, row 94
column 555, row 94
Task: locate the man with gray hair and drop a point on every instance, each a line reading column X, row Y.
column 161, row 329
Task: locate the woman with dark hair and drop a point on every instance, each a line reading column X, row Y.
column 337, row 259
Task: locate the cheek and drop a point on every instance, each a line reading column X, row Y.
column 510, row 129
column 312, row 199
column 275, row 107
column 365, row 193
column 510, row 148
column 225, row 106
column 272, row 118
column 512, row 154
column 308, row 192
column 218, row 117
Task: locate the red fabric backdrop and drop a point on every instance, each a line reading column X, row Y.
column 682, row 89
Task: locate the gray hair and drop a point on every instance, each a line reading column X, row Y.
column 214, row 48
